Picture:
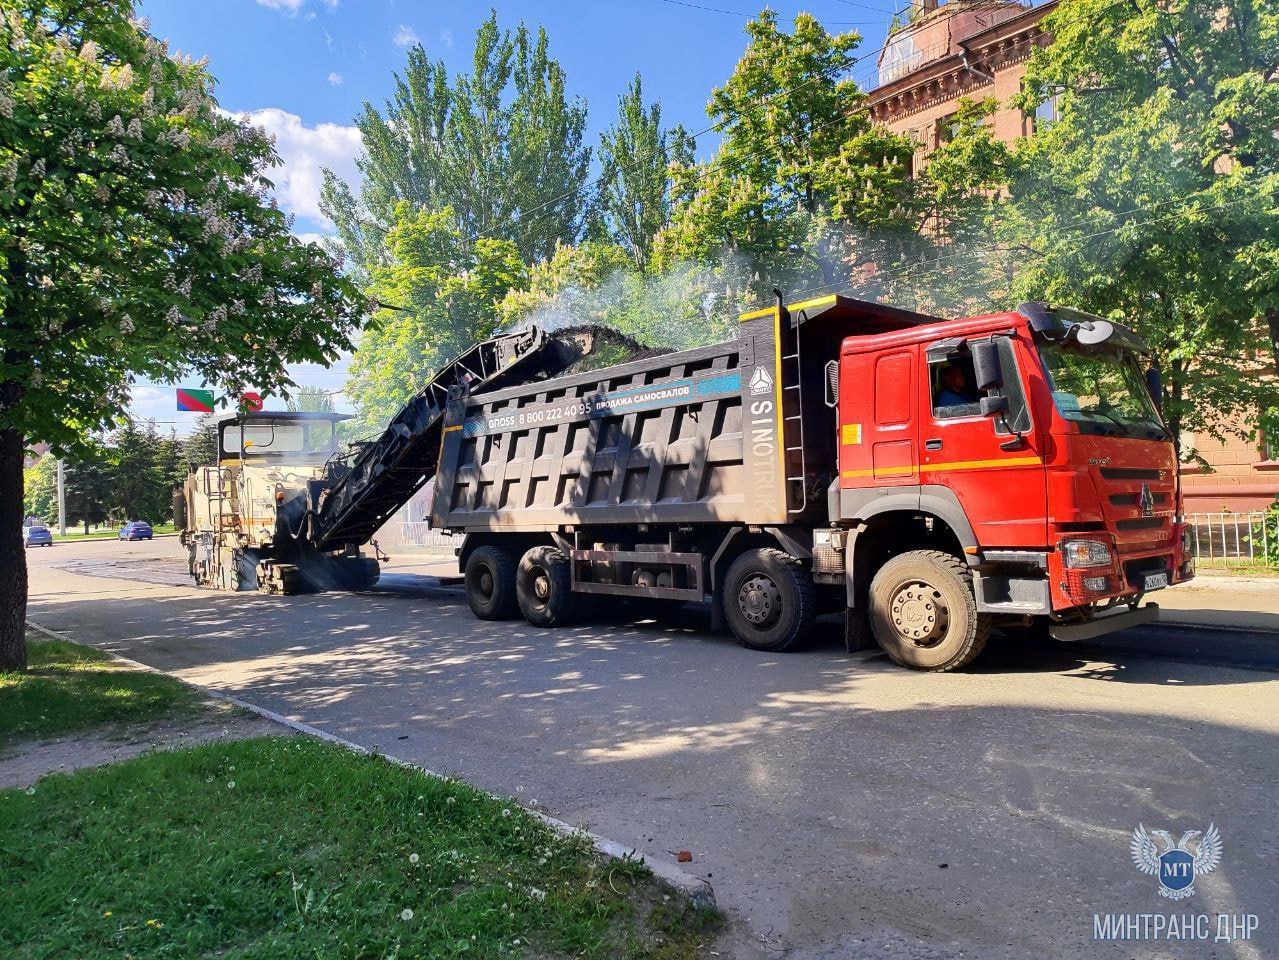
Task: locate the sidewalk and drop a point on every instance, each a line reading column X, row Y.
column 1241, row 603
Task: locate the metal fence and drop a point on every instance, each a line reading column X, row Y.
column 1235, row 539
column 415, row 535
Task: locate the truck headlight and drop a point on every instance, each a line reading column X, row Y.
column 1085, row 553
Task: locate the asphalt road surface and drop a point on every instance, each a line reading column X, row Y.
column 845, row 808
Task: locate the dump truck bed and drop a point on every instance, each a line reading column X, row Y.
column 710, row 434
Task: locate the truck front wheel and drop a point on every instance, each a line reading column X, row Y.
column 769, row 601
column 543, row 587
column 923, row 613
column 490, row 583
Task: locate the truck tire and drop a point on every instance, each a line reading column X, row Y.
column 769, row 601
column 543, row 587
column 490, row 583
column 923, row 612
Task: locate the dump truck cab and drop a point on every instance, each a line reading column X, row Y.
column 1025, row 443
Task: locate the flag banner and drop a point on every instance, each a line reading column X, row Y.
column 195, row 401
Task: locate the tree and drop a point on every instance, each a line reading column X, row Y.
column 687, row 305
column 135, row 239
column 312, row 400
column 40, row 486
column 1152, row 197
column 803, row 184
column 634, row 185
column 87, row 483
column 200, row 449
column 502, row 141
column 446, row 289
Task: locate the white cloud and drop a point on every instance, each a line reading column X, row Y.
column 446, row 37
column 405, row 36
column 291, row 7
column 304, row 152
column 335, row 79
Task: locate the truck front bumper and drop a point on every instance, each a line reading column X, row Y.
column 1101, row 626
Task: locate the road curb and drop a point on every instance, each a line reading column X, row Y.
column 1220, row 627
column 698, row 890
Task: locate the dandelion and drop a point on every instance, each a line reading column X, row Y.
column 31, row 791
column 406, row 914
column 414, row 858
column 506, row 812
column 107, row 913
column 536, row 893
column 230, row 784
column 155, row 923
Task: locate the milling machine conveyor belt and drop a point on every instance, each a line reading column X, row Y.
column 356, row 496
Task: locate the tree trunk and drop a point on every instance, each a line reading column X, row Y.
column 13, row 556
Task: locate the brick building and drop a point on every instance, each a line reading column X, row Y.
column 979, row 49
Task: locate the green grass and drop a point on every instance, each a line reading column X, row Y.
column 69, row 687
column 291, row 847
column 107, row 532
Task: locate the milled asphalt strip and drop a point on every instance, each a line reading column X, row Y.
column 698, row 890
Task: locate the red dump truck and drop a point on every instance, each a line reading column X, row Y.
column 931, row 478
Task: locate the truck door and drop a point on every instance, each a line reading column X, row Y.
column 998, row 480
column 878, row 441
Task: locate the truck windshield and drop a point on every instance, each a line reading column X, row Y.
column 1104, row 391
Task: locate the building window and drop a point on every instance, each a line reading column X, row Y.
column 1269, row 449
column 1044, row 114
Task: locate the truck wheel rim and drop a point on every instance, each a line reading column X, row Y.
column 760, row 601
column 486, row 583
column 920, row 614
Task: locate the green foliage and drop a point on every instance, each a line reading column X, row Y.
column 446, row 289
column 1153, row 197
column 40, row 489
column 289, row 847
column 135, row 233
column 687, row 305
column 503, row 139
column 797, row 155
column 69, row 687
column 634, row 186
column 312, row 400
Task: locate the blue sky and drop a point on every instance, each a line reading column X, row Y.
column 303, row 69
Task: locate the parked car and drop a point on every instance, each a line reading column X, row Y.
column 36, row 535
column 136, row 530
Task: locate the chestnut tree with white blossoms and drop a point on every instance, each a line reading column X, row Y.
column 137, row 239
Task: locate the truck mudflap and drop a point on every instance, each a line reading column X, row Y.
column 1104, row 625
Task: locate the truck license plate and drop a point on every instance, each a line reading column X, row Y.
column 1155, row 581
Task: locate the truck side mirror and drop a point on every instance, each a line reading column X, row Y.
column 1154, row 384
column 993, row 405
column 832, row 383
column 986, row 366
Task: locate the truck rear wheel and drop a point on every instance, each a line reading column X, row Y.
column 543, row 587
column 923, row 613
column 490, row 583
column 769, row 601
